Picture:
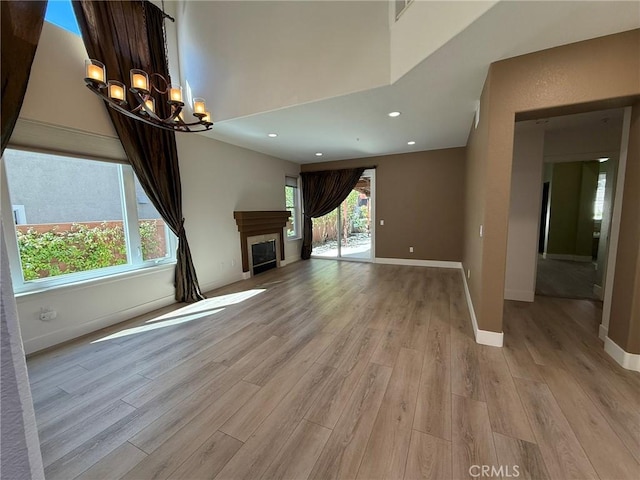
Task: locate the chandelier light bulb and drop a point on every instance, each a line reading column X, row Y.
column 116, row 90
column 95, row 71
column 139, row 79
column 175, row 93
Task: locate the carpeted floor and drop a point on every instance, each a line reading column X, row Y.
column 563, row 278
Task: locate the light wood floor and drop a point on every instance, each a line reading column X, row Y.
column 329, row 369
column 566, row 279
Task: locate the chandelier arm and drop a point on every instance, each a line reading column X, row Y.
column 166, row 83
column 166, row 124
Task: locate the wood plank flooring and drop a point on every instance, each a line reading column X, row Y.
column 339, row 370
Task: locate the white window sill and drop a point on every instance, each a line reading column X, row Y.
column 36, row 288
column 293, row 239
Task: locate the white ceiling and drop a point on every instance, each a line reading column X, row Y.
column 586, row 120
column 437, row 98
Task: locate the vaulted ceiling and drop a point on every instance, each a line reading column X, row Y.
column 322, row 75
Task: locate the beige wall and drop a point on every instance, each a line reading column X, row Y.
column 524, row 212
column 262, row 56
column 583, row 143
column 217, row 178
column 420, row 197
column 588, row 73
column 425, row 27
column 476, row 186
column 624, row 322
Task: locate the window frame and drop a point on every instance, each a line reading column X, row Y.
column 135, row 262
column 598, row 203
column 297, row 208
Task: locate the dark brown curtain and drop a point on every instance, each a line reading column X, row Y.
column 125, row 35
column 21, row 28
column 323, row 192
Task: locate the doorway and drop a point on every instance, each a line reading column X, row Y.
column 347, row 233
column 577, row 228
column 563, row 184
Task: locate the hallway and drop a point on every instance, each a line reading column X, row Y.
column 565, row 279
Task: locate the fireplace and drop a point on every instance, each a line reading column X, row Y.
column 260, row 227
column 263, row 256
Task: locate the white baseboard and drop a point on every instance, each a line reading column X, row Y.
column 246, row 275
column 289, row 261
column 418, row 263
column 598, row 292
column 572, row 258
column 207, row 287
column 519, row 295
column 630, row 361
column 483, row 337
column 65, row 334
column 603, row 332
column 69, row 333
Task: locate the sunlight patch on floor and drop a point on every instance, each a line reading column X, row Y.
column 155, row 326
column 195, row 311
column 208, row 305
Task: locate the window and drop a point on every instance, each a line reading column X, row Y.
column 60, row 13
column 292, row 198
column 598, row 204
column 401, row 6
column 77, row 219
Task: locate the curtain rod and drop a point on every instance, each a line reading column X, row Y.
column 334, row 169
column 161, row 8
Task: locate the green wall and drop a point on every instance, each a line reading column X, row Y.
column 573, row 190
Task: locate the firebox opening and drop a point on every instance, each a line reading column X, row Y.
column 264, row 256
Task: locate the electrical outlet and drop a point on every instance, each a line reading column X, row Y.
column 47, row 314
column 410, row 249
column 381, row 222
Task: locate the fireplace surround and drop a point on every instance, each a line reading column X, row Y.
column 256, row 223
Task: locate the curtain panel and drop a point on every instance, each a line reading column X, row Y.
column 125, row 35
column 323, row 192
column 21, row 28
column 20, row 458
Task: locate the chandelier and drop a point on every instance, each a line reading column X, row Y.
column 141, row 88
column 114, row 93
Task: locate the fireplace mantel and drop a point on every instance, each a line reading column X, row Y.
column 260, row 223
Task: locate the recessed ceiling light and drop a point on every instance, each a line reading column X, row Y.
column 411, row 142
column 272, row 135
column 318, row 154
column 603, row 159
column 394, row 114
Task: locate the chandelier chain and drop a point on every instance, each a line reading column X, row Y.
column 164, row 39
column 143, row 86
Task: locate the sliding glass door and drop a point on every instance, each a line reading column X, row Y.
column 347, row 232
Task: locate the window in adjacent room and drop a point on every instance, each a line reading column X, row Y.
column 292, row 198
column 598, row 204
column 78, row 219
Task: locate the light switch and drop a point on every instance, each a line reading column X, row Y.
column 381, row 222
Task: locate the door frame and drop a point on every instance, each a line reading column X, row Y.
column 371, row 173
